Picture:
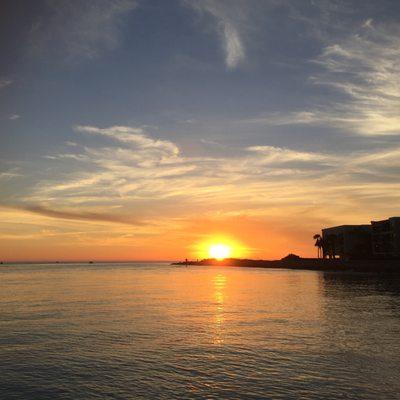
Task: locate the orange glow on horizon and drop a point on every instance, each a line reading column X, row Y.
column 29, row 236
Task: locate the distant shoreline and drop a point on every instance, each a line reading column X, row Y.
column 313, row 264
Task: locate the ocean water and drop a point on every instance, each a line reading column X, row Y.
column 154, row 331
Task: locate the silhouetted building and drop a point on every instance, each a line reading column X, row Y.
column 347, row 242
column 386, row 238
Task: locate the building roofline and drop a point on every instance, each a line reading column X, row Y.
column 387, row 219
column 347, row 226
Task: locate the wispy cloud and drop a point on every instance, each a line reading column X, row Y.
column 80, row 30
column 133, row 136
column 82, row 215
column 278, row 156
column 360, row 74
column 226, row 15
column 151, row 176
column 13, row 117
column 364, row 70
column 233, row 45
column 4, row 82
column 10, row 174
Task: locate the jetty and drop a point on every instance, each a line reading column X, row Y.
column 299, row 263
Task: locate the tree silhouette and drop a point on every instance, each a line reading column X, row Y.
column 318, row 243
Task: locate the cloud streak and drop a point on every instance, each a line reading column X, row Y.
column 233, row 45
column 277, row 156
column 226, row 15
column 132, row 136
column 4, row 82
column 81, row 216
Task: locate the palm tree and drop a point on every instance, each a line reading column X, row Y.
column 318, row 243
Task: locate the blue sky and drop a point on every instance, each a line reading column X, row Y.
column 154, row 115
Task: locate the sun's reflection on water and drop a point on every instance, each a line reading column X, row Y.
column 219, row 282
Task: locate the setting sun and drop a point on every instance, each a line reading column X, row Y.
column 219, row 246
column 219, row 251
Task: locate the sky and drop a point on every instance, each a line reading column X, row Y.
column 146, row 129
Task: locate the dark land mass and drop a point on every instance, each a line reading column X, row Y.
column 295, row 262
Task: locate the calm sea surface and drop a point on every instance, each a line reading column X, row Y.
column 154, row 331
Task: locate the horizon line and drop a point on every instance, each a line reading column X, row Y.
column 85, row 261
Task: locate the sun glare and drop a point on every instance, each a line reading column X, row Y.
column 219, row 251
column 219, row 247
